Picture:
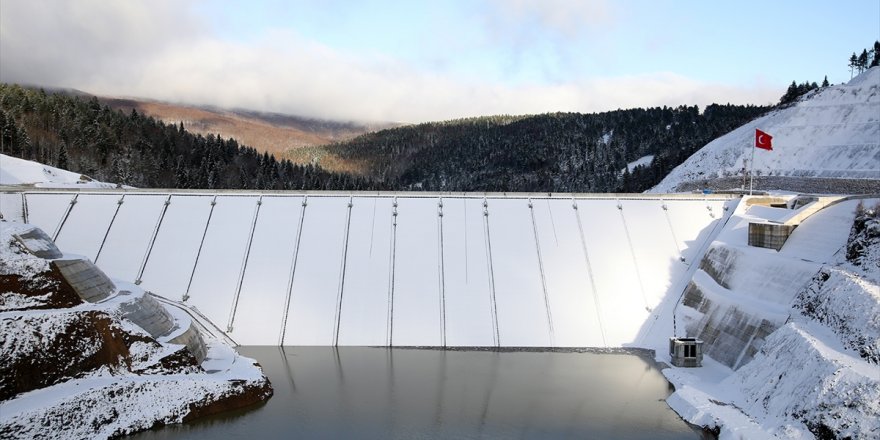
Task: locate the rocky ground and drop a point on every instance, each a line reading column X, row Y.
column 74, row 369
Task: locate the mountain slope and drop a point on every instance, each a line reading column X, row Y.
column 267, row 132
column 831, row 133
column 554, row 152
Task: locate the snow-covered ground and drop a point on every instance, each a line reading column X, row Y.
column 817, row 372
column 642, row 161
column 833, row 132
column 103, row 375
column 15, row 171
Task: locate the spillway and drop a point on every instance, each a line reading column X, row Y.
column 395, row 269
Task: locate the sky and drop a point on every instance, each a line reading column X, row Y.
column 415, row 61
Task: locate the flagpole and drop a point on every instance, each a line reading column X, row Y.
column 762, row 141
column 752, row 169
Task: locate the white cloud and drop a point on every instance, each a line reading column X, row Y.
column 138, row 49
column 570, row 18
column 68, row 42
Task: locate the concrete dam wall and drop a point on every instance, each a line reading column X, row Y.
column 406, row 269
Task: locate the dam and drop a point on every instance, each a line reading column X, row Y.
column 395, row 269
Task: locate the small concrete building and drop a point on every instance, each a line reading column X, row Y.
column 686, row 352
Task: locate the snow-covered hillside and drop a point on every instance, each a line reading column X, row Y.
column 15, row 171
column 833, row 132
column 805, row 347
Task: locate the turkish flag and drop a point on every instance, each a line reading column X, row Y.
column 763, row 140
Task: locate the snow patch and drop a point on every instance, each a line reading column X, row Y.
column 13, row 258
column 15, row 171
column 642, row 161
column 10, row 301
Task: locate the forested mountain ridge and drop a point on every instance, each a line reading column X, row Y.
column 80, row 134
column 620, row 151
column 556, row 152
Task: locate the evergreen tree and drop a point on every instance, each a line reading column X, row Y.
column 180, row 180
column 825, row 82
column 212, row 179
column 122, row 171
column 626, row 181
column 7, row 133
column 853, row 62
column 875, row 58
column 795, row 91
column 22, row 143
column 862, row 62
column 63, row 159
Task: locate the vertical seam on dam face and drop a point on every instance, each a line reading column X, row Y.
column 292, row 272
column 199, row 252
column 373, row 225
column 543, row 277
column 595, row 295
column 632, row 252
column 389, row 323
column 552, row 222
column 465, row 229
column 496, row 335
column 671, row 229
column 64, row 218
column 342, row 268
column 109, row 227
column 149, row 251
column 244, row 263
column 441, row 269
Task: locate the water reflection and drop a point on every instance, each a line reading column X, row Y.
column 360, row 392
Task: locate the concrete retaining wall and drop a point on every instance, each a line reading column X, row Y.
column 731, row 335
column 736, row 299
column 147, row 313
column 39, row 244
column 193, row 341
column 90, row 283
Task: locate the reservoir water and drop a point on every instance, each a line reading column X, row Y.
column 379, row 393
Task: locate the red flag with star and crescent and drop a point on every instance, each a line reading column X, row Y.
column 763, row 140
